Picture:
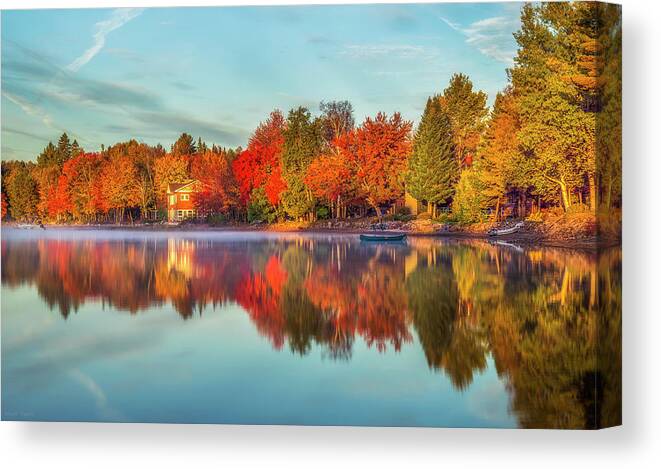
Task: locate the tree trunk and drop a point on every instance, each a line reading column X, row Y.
column 565, row 196
column 498, row 209
column 609, row 192
column 379, row 214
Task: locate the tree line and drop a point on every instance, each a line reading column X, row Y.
column 551, row 139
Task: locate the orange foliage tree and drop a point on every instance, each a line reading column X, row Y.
column 118, row 185
column 329, row 178
column 377, row 153
column 218, row 192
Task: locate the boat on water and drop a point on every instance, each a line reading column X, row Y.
column 30, row 226
column 506, row 231
column 383, row 237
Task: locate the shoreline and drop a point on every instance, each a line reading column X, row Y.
column 527, row 239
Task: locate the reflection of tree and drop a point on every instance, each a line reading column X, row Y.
column 259, row 294
column 550, row 318
column 381, row 304
column 432, row 300
column 544, row 340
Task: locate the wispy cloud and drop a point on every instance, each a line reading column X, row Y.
column 491, row 36
column 174, row 122
column 118, row 18
column 29, row 108
column 106, row 412
column 399, row 51
column 26, row 133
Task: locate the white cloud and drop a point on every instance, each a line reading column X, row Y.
column 29, row 109
column 118, row 18
column 491, row 36
column 386, row 51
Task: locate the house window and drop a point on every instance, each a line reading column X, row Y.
column 185, row 196
column 180, row 214
column 173, row 199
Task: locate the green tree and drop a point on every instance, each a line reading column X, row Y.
column 64, row 149
column 184, row 146
column 432, row 167
column 22, row 192
column 469, row 200
column 467, row 110
column 555, row 80
column 302, row 144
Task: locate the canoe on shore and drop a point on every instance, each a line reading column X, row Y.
column 506, row 231
column 383, row 237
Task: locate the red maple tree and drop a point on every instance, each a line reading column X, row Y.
column 259, row 164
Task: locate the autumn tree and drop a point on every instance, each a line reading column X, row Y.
column 49, row 168
column 377, row 153
column 336, row 119
column 118, row 178
column 558, row 125
column 259, row 165
column 143, row 157
column 168, row 169
column 499, row 164
column 59, row 201
column 82, row 177
column 609, row 119
column 22, row 192
column 218, row 192
column 302, row 143
column 467, row 110
column 184, row 146
column 469, row 199
column 432, row 167
column 330, row 179
column 5, row 205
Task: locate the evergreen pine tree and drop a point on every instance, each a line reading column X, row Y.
column 63, row 149
column 432, row 167
column 302, row 144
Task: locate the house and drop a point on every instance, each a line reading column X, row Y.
column 181, row 200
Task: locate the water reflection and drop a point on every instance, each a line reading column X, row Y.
column 550, row 318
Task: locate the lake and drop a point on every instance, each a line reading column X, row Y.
column 318, row 329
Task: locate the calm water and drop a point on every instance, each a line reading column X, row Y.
column 307, row 329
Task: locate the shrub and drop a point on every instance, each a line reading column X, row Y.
column 216, row 219
column 468, row 200
column 323, row 213
column 537, row 216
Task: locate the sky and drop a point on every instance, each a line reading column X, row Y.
column 109, row 75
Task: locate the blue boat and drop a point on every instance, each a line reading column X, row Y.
column 383, row 237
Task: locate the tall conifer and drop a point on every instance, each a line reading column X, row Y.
column 432, row 168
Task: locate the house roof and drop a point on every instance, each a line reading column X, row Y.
column 177, row 186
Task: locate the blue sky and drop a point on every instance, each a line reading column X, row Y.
column 108, row 75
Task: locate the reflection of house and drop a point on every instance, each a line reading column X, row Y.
column 181, row 200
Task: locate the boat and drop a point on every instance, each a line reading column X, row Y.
column 30, row 226
column 506, row 231
column 383, row 237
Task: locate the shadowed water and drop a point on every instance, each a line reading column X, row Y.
column 307, row 329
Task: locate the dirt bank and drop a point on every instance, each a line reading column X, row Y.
column 570, row 230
